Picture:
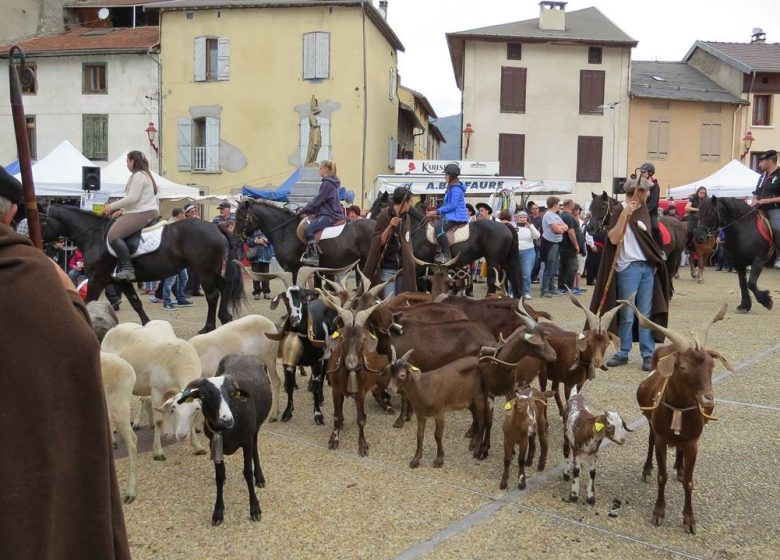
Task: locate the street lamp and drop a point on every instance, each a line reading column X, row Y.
column 151, row 133
column 467, row 132
column 747, row 141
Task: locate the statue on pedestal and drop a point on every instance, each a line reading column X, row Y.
column 315, row 134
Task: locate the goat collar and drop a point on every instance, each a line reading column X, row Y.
column 676, row 412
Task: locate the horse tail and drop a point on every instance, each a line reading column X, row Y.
column 514, row 273
column 233, row 283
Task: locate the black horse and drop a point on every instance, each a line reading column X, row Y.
column 280, row 226
column 488, row 239
column 189, row 243
column 743, row 243
column 601, row 206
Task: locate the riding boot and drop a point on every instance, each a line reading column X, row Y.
column 444, row 246
column 124, row 270
column 312, row 257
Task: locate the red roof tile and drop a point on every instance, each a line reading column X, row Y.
column 84, row 39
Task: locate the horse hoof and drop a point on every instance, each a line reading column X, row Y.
column 742, row 310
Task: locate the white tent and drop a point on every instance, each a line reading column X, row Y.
column 59, row 173
column 733, row 179
column 117, row 172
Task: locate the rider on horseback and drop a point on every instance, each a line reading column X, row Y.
column 647, row 171
column 453, row 211
column 768, row 194
column 326, row 208
column 138, row 208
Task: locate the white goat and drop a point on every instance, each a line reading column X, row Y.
column 118, row 382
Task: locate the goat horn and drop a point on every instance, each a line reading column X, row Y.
column 284, row 276
column 193, row 393
column 500, row 281
column 345, row 315
column 700, row 333
column 527, row 319
column 365, row 282
column 405, row 357
column 450, row 262
column 593, row 320
column 677, row 340
column 606, row 318
column 336, row 287
column 440, row 298
column 419, row 262
column 501, row 338
column 376, row 290
column 306, row 271
column 392, row 353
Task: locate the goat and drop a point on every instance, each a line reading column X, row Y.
column 246, row 335
column 524, row 417
column 454, row 386
column 440, row 278
column 677, row 399
column 583, row 433
column 118, row 382
column 235, row 403
column 163, row 366
column 103, row 318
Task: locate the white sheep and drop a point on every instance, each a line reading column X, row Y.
column 163, row 365
column 118, row 382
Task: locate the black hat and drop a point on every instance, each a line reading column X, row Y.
column 10, row 187
column 486, row 206
column 768, row 155
column 400, row 195
column 470, row 208
column 189, row 207
column 224, row 204
column 649, row 167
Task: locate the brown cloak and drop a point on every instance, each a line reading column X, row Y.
column 376, row 251
column 60, row 498
column 660, row 310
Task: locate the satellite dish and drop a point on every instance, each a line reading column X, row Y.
column 102, row 13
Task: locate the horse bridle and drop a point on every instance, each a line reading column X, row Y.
column 714, row 231
column 249, row 219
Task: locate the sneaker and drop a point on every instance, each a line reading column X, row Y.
column 646, row 363
column 527, row 296
column 184, row 303
column 546, row 294
column 777, row 263
column 267, row 295
column 257, row 296
column 577, row 292
column 153, row 299
column 616, row 360
column 555, row 293
column 169, row 307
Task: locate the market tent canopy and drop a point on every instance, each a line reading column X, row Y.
column 279, row 194
column 13, row 167
column 733, row 179
column 475, row 185
column 117, row 172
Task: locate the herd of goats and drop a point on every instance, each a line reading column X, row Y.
column 441, row 353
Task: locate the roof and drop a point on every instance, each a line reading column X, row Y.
column 373, row 13
column 437, row 133
column 746, row 57
column 85, row 40
column 677, row 81
column 422, row 100
column 107, row 3
column 587, row 26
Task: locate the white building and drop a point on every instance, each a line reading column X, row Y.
column 548, row 97
column 96, row 87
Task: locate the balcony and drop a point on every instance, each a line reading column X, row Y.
column 199, row 158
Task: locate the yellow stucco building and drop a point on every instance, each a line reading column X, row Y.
column 680, row 121
column 238, row 85
column 419, row 138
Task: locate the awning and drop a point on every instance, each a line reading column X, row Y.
column 733, row 179
column 475, row 185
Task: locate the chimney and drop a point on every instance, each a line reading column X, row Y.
column 383, row 8
column 758, row 36
column 552, row 15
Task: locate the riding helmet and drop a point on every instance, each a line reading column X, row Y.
column 452, row 169
column 649, row 167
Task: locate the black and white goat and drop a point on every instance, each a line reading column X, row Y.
column 235, row 403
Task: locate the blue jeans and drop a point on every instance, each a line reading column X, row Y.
column 527, row 260
column 552, row 254
column 639, row 278
column 392, row 288
column 181, row 282
column 317, row 224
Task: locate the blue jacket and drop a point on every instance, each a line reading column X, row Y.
column 265, row 253
column 454, row 206
column 326, row 203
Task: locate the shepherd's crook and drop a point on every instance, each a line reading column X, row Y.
column 22, row 145
column 611, row 268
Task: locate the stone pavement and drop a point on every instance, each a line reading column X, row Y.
column 335, row 504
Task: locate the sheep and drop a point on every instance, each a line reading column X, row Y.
column 163, row 365
column 525, row 416
column 103, row 318
column 242, row 336
column 235, row 403
column 118, row 382
column 583, row 433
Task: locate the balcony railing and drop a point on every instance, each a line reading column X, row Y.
column 199, row 158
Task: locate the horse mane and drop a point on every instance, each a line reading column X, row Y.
column 272, row 205
column 74, row 209
column 734, row 206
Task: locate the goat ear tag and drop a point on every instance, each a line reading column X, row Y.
column 599, row 426
column 415, row 368
column 508, row 406
column 335, row 334
column 581, row 336
column 189, row 400
column 528, row 336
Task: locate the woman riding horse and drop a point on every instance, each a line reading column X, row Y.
column 138, row 208
column 326, row 209
column 452, row 212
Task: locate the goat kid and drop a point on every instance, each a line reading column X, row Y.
column 525, row 417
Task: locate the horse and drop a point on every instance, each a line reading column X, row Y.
column 703, row 251
column 280, row 227
column 488, row 239
column 744, row 243
column 197, row 244
column 601, row 206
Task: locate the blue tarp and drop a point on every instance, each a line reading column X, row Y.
column 280, row 194
column 13, row 168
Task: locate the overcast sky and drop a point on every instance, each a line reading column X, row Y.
column 665, row 29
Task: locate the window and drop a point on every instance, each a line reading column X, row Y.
column 591, row 92
column 710, row 141
column 393, row 84
column 94, row 137
column 93, row 78
column 594, row 55
column 392, row 150
column 316, row 56
column 199, row 144
column 513, row 82
column 514, row 51
column 511, row 154
column 32, row 137
column 712, row 108
column 28, row 82
column 589, row 159
column 212, row 59
column 658, row 138
column 762, row 105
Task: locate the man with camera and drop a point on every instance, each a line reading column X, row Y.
column 647, row 172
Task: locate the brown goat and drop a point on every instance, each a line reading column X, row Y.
column 677, row 398
column 525, row 417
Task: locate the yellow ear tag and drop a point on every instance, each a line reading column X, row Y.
column 599, row 426
column 581, row 336
column 508, row 406
column 372, row 335
column 335, row 334
column 415, row 368
column 188, row 400
column 528, row 336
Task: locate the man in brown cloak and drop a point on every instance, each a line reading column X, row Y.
column 59, row 497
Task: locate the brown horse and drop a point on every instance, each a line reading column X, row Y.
column 700, row 257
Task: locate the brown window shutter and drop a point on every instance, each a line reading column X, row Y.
column 513, row 89
column 589, row 149
column 591, row 91
column 511, row 154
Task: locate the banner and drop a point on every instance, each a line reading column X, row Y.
column 475, row 185
column 436, row 167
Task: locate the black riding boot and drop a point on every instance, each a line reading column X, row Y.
column 444, row 246
column 312, row 257
column 124, row 270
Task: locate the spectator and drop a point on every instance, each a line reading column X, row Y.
column 583, row 251
column 527, row 235
column 224, row 213
column 553, row 228
column 193, row 282
column 179, row 279
column 56, row 252
column 484, row 210
column 569, row 249
column 76, row 267
column 535, row 219
column 22, row 228
column 260, row 255
column 353, row 212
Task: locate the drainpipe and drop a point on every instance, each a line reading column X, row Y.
column 365, row 111
column 133, row 17
column 159, row 108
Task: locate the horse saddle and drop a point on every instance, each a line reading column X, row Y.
column 458, row 234
column 145, row 241
column 329, row 232
column 666, row 237
column 765, row 227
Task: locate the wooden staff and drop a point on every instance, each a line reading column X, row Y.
column 611, row 274
column 22, row 145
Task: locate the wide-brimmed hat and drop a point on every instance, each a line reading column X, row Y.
column 632, row 184
column 487, row 207
column 224, row 204
column 768, row 154
column 470, row 208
